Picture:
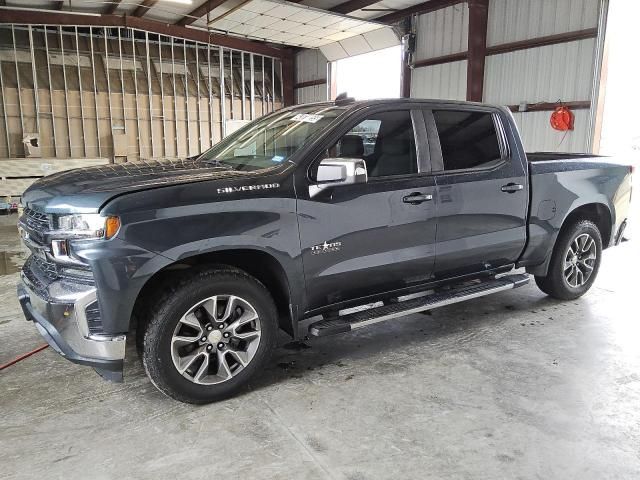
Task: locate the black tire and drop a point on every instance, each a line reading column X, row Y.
column 555, row 284
column 172, row 305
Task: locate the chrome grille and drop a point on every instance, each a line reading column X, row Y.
column 36, row 220
column 47, row 269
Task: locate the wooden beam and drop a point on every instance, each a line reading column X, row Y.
column 35, row 17
column 112, row 7
column 311, row 83
column 352, row 6
column 144, row 7
column 550, row 106
column 199, row 12
column 426, row 7
column 476, row 55
column 543, row 41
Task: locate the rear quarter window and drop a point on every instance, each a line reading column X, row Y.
column 468, row 139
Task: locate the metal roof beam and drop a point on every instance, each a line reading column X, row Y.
column 352, row 6
column 112, row 6
column 199, row 12
column 36, row 17
column 426, row 7
column 143, row 8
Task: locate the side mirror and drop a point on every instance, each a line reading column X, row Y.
column 341, row 171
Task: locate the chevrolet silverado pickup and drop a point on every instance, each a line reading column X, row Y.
column 392, row 206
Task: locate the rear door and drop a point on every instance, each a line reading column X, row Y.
column 366, row 238
column 481, row 191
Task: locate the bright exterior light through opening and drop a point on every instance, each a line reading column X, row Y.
column 371, row 75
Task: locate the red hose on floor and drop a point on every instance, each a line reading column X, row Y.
column 23, row 356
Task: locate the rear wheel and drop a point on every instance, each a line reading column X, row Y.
column 209, row 335
column 575, row 262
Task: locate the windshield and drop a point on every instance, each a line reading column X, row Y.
column 272, row 139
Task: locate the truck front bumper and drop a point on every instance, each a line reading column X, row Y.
column 58, row 312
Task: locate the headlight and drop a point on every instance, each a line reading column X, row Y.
column 88, row 225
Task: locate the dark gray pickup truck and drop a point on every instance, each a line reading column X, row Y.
column 403, row 205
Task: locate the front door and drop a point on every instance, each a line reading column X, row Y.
column 371, row 237
column 481, row 191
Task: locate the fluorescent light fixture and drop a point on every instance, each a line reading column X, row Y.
column 183, row 2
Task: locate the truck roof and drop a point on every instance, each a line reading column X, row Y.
column 400, row 101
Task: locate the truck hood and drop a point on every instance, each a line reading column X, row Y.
column 85, row 190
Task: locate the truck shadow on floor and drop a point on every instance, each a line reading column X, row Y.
column 393, row 346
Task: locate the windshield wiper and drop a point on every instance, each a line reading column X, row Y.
column 215, row 162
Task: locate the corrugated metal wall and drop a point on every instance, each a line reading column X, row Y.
column 440, row 33
column 447, row 80
column 310, row 65
column 562, row 72
column 514, row 20
column 544, row 74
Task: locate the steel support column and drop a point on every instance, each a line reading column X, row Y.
column 20, row 104
column 223, row 112
column 4, row 113
column 66, row 100
column 244, row 93
column 34, row 73
column 478, row 14
column 186, row 95
column 164, row 120
column 53, row 116
column 288, row 80
column 150, row 89
column 95, row 90
column 135, row 92
column 106, row 70
column 175, row 97
column 198, row 98
column 252, row 89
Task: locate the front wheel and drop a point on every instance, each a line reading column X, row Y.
column 574, row 262
column 209, row 335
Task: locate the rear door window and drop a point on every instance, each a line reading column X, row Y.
column 468, row 139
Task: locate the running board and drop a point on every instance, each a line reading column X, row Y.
column 352, row 321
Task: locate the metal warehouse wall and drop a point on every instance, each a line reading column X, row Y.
column 553, row 71
column 125, row 94
column 310, row 77
column 562, row 72
column 440, row 34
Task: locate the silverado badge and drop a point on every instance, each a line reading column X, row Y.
column 248, row 188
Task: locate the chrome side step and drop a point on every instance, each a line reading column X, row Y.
column 352, row 321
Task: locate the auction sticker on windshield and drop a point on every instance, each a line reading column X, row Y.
column 306, row 117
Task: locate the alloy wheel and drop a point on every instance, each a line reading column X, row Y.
column 580, row 260
column 215, row 339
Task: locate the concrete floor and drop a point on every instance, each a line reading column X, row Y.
column 513, row 386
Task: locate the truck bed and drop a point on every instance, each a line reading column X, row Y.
column 546, row 156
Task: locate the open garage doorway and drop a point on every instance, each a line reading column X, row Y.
column 370, row 75
column 617, row 132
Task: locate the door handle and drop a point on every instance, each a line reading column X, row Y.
column 417, row 198
column 511, row 187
